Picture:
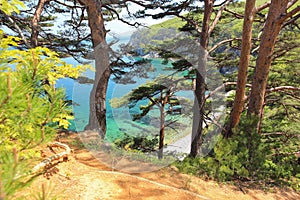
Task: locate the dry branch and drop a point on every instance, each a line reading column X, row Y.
column 48, row 162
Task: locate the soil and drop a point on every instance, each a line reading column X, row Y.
column 83, row 177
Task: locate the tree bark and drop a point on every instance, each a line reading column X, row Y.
column 35, row 22
column 243, row 68
column 162, row 122
column 277, row 11
column 97, row 118
column 161, row 132
column 199, row 102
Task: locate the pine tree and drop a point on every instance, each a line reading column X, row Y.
column 160, row 93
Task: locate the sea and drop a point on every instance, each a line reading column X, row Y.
column 120, row 120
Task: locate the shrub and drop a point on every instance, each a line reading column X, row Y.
column 245, row 156
column 32, row 108
column 137, row 143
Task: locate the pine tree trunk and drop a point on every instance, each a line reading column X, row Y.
column 97, row 118
column 243, row 66
column 199, row 103
column 35, row 22
column 161, row 132
column 277, row 11
column 198, row 117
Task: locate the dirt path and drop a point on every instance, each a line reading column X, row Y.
column 84, row 178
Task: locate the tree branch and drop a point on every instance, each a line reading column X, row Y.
column 273, row 134
column 291, row 3
column 282, row 51
column 218, row 16
column 261, row 7
column 221, row 43
column 280, row 88
column 67, row 5
column 215, row 122
column 172, row 122
column 220, row 4
column 152, row 101
column 192, row 22
column 275, row 89
column 237, row 15
column 143, row 3
column 113, row 11
column 290, row 14
column 292, row 21
column 18, row 28
column 222, row 87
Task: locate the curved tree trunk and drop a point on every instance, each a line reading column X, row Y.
column 97, row 118
column 243, row 67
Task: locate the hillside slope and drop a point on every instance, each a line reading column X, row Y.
column 84, row 177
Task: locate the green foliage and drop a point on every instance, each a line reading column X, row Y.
column 172, row 23
column 11, row 6
column 281, row 121
column 150, row 92
column 46, row 193
column 31, row 105
column 137, row 143
column 13, row 174
column 269, row 156
column 32, row 109
column 245, row 156
column 63, row 39
column 156, row 33
column 158, row 93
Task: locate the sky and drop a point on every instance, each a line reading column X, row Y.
column 120, row 28
column 116, row 27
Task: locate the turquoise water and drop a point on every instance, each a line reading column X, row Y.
column 119, row 121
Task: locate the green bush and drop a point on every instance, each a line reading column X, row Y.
column 245, row 156
column 32, row 108
column 137, row 143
